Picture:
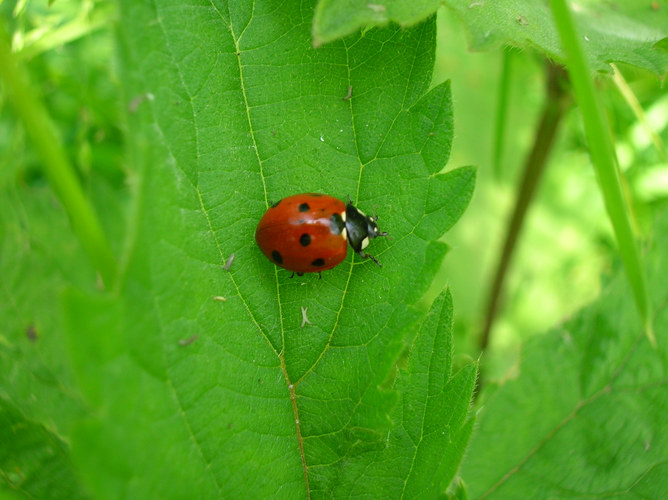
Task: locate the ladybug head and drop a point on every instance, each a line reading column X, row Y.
column 360, row 229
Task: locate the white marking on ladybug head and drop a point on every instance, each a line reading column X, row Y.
column 365, row 242
column 344, row 233
column 343, row 216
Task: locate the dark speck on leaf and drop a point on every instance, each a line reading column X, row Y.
column 31, row 333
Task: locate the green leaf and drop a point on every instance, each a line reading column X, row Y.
column 338, row 18
column 435, row 427
column 630, row 32
column 613, row 31
column 430, row 424
column 210, row 375
column 33, row 458
column 585, row 417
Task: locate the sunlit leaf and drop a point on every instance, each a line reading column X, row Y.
column 632, row 31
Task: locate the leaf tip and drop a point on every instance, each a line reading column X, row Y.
column 649, row 333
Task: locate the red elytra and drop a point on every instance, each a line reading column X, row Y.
column 309, row 233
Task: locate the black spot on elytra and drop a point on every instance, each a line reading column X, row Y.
column 278, row 258
column 274, row 205
column 318, row 263
column 303, row 207
column 305, row 240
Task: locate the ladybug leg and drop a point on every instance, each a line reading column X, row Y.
column 367, row 256
column 292, row 275
column 375, row 260
column 319, row 275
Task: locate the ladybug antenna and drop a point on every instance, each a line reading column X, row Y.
column 350, row 202
column 374, row 217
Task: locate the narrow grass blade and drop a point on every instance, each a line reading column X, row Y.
column 639, row 113
column 602, row 154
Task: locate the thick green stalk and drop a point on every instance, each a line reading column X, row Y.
column 55, row 164
column 603, row 158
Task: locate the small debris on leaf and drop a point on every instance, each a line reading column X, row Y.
column 228, row 263
column 305, row 317
column 188, row 341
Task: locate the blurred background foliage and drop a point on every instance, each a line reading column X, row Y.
column 68, row 47
column 566, row 244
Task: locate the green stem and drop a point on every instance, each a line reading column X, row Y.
column 556, row 103
column 501, row 112
column 603, row 158
column 56, row 167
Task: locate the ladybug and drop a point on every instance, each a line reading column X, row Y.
column 310, row 233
